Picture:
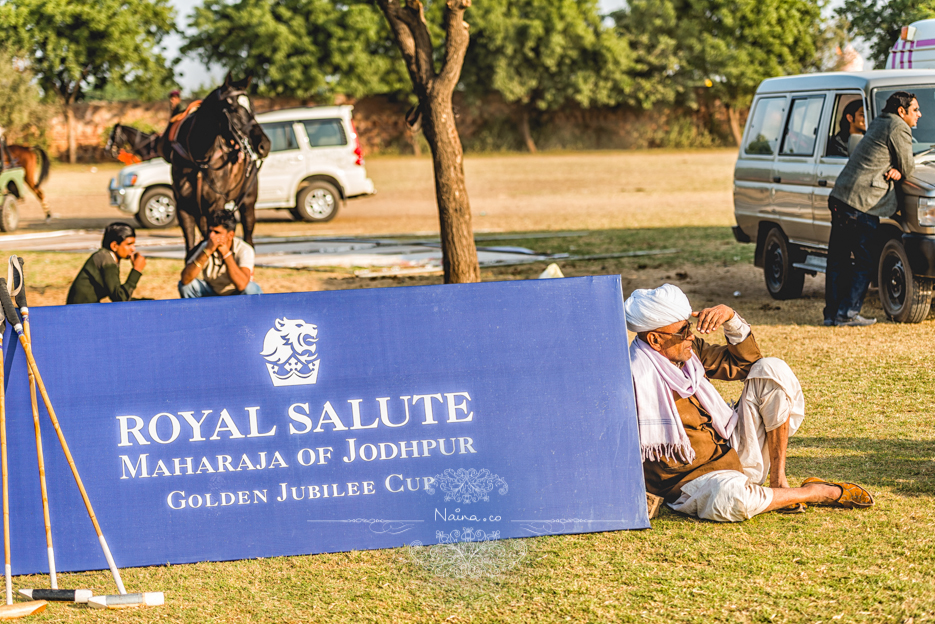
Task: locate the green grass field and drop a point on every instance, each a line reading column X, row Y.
column 869, row 406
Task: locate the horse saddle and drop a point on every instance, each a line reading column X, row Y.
column 171, row 143
column 176, row 122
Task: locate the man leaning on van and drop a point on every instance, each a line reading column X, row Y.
column 864, row 192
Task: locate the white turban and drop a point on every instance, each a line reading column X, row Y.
column 647, row 309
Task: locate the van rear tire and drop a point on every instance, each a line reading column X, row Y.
column 905, row 298
column 783, row 281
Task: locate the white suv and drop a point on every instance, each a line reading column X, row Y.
column 314, row 165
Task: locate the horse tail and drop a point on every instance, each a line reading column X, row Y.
column 44, row 172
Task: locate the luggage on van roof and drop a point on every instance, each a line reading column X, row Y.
column 915, row 48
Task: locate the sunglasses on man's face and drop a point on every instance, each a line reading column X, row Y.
column 683, row 334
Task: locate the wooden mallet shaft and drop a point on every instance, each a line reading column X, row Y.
column 30, row 360
column 34, row 401
column 7, row 571
column 16, row 270
column 71, row 463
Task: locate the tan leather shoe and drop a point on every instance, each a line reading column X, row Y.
column 852, row 495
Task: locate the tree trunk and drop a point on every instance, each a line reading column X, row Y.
column 72, row 139
column 459, row 253
column 524, row 129
column 733, row 116
column 434, row 89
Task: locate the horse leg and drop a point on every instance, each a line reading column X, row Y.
column 187, row 207
column 187, row 223
column 45, row 205
column 30, row 163
column 29, row 178
column 248, row 219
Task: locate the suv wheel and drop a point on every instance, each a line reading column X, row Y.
column 905, row 298
column 783, row 281
column 319, row 201
column 157, row 208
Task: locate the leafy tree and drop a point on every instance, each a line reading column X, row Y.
column 302, row 48
column 726, row 46
column 543, row 54
column 650, row 29
column 76, row 45
column 22, row 114
column 880, row 23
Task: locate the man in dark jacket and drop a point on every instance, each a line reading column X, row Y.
column 100, row 275
column 864, row 192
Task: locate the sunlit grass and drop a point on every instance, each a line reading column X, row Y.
column 869, row 396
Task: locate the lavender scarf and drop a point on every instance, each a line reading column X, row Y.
column 655, row 378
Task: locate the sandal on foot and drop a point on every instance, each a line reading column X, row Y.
column 797, row 508
column 852, row 495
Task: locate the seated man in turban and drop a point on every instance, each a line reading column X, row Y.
column 703, row 457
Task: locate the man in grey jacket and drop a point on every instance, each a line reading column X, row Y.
column 864, row 192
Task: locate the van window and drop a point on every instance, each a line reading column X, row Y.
column 802, row 126
column 765, row 126
column 848, row 109
column 325, row 132
column 281, row 136
column 923, row 135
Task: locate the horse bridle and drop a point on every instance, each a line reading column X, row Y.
column 255, row 162
column 241, row 144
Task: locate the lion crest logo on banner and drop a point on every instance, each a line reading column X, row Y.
column 291, row 353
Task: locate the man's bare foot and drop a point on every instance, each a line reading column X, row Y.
column 827, row 493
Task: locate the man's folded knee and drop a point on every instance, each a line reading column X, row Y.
column 770, row 368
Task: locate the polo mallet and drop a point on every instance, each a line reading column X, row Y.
column 7, row 573
column 16, row 278
column 10, row 313
column 9, row 611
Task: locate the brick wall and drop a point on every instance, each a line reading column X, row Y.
column 489, row 125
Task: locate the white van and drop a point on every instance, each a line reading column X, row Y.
column 787, row 165
column 314, row 165
column 915, row 48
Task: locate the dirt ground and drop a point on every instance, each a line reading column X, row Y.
column 682, row 197
column 509, row 193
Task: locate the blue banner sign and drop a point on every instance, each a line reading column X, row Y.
column 240, row 427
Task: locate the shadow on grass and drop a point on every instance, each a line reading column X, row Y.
column 695, row 245
column 906, row 467
column 75, row 223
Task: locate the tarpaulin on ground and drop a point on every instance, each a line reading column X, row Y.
column 240, row 427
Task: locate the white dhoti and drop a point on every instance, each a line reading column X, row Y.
column 771, row 397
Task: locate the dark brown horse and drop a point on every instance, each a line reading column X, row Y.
column 142, row 144
column 216, row 152
column 35, row 164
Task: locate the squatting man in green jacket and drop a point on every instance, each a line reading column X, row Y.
column 100, row 275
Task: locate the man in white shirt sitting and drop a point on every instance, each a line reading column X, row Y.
column 225, row 263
